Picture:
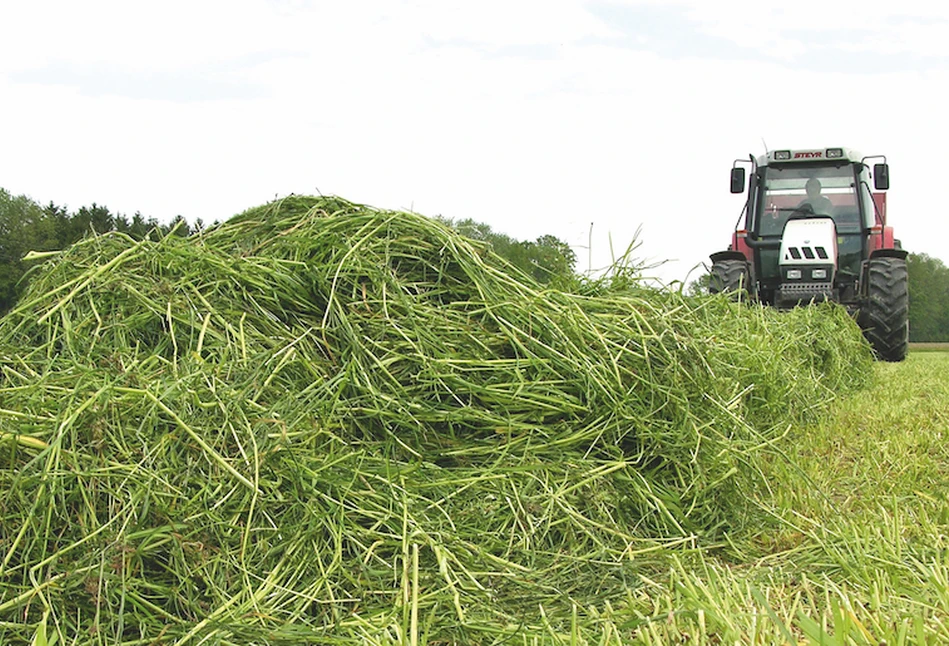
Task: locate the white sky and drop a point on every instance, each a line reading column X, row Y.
column 533, row 116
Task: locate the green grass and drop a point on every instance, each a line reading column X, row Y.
column 929, row 347
column 857, row 553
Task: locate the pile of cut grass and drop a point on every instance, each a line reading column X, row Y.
column 322, row 422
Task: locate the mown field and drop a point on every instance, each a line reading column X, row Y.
column 859, row 553
column 929, row 347
column 322, row 423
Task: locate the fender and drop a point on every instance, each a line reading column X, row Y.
column 889, row 253
column 727, row 255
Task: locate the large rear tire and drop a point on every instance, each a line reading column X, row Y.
column 730, row 276
column 884, row 316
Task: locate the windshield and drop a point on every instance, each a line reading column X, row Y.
column 818, row 190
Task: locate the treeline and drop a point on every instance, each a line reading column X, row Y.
column 549, row 260
column 928, row 299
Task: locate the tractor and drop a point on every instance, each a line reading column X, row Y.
column 811, row 230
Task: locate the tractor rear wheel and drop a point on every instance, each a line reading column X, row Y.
column 731, row 276
column 884, row 316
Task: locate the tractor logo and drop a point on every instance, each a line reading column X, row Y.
column 812, row 155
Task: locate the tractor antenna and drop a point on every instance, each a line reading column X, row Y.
column 763, row 143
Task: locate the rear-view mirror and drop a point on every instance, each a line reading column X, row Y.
column 738, row 179
column 881, row 177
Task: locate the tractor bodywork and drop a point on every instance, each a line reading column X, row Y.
column 813, row 229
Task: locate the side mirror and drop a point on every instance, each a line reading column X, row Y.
column 881, row 177
column 738, row 179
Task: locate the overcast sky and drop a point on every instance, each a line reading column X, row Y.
column 535, row 117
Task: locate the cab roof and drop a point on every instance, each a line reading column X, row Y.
column 786, row 155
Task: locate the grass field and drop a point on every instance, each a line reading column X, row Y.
column 857, row 553
column 929, row 347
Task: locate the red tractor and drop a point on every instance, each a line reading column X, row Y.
column 814, row 230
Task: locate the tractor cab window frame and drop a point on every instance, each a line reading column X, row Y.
column 866, row 200
column 781, row 190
